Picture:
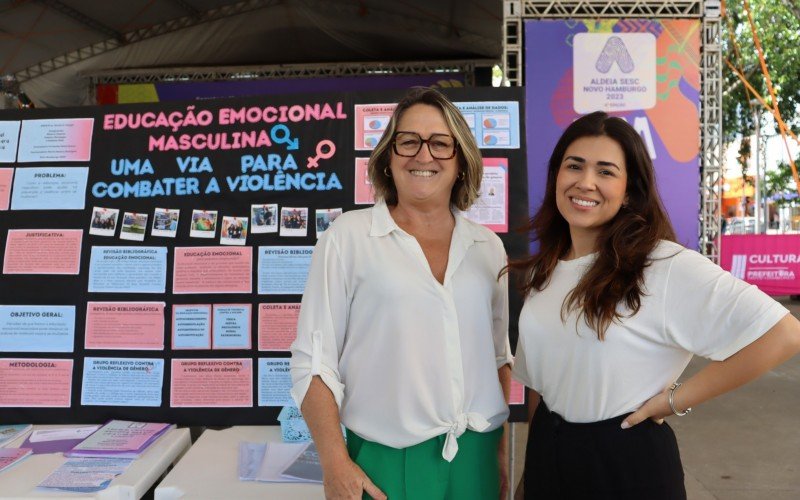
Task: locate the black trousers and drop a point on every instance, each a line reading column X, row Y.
column 600, row 460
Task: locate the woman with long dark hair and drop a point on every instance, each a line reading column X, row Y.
column 614, row 311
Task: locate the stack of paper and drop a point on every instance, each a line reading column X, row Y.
column 279, row 462
column 120, row 439
column 10, row 432
column 10, row 456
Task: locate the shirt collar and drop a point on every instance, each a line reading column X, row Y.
column 383, row 224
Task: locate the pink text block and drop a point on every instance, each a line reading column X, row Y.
column 43, row 251
column 35, row 382
column 6, row 178
column 277, row 326
column 213, row 270
column 125, row 325
column 224, row 383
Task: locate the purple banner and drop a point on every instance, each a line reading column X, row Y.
column 646, row 72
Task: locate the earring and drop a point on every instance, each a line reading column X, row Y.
column 461, row 175
column 386, row 171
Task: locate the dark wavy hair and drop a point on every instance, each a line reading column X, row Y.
column 625, row 243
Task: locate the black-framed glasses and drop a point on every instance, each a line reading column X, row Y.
column 408, row 144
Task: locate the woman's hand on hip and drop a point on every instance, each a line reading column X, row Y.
column 346, row 481
column 656, row 408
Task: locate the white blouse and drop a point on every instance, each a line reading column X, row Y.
column 406, row 357
column 690, row 306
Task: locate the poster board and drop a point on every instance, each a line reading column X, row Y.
column 154, row 255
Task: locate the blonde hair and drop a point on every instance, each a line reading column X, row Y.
column 468, row 156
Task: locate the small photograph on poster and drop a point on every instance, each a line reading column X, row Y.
column 165, row 222
column 363, row 194
column 234, row 230
column 204, row 224
column 294, row 221
column 134, row 225
column 325, row 217
column 104, row 221
column 191, row 326
column 265, row 218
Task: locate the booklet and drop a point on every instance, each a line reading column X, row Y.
column 9, row 433
column 120, row 439
column 11, row 456
column 85, row 475
column 305, row 467
column 58, row 440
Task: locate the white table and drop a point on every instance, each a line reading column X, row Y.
column 209, row 470
column 20, row 481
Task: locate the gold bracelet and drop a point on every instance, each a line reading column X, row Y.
column 672, row 402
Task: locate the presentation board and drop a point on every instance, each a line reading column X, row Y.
column 154, row 255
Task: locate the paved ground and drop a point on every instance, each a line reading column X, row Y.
column 742, row 445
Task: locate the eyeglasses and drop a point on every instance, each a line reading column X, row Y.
column 409, row 144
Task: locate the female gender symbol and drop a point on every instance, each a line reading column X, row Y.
column 313, row 162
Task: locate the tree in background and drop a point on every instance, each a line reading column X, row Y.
column 778, row 26
column 780, row 184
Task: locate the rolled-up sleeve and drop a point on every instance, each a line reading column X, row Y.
column 502, row 347
column 322, row 323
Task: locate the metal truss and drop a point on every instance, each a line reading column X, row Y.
column 512, row 43
column 318, row 9
column 516, row 11
column 288, row 71
column 711, row 135
column 543, row 9
column 116, row 42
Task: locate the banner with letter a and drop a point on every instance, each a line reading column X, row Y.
column 644, row 71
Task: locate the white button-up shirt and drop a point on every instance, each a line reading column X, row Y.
column 407, row 358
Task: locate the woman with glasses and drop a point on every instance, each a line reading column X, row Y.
column 402, row 335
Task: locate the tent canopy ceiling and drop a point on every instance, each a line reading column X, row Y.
column 51, row 45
